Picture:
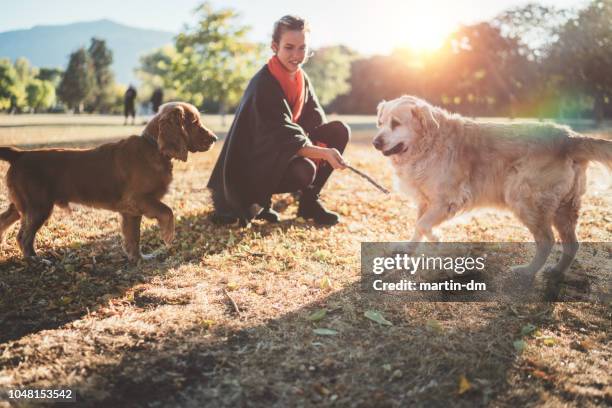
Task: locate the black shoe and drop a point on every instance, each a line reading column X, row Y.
column 311, row 209
column 221, row 219
column 268, row 214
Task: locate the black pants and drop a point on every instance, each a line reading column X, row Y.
column 129, row 110
column 302, row 173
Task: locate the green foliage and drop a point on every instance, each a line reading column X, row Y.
column 78, row 81
column 329, row 70
column 155, row 71
column 40, row 94
column 21, row 89
column 53, row 75
column 23, row 74
column 8, row 81
column 101, row 98
column 581, row 56
column 211, row 62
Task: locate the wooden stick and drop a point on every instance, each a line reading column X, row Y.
column 370, row 179
column 233, row 302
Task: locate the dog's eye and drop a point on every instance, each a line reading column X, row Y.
column 394, row 123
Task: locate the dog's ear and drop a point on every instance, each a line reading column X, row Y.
column 424, row 115
column 172, row 138
column 379, row 111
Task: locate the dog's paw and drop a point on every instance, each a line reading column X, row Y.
column 168, row 235
column 553, row 272
column 154, row 255
column 552, row 277
column 148, row 257
column 134, row 258
column 523, row 270
column 523, row 273
column 37, row 261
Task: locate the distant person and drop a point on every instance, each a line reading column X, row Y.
column 280, row 140
column 129, row 108
column 157, row 99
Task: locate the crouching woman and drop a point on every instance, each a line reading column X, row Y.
column 280, row 140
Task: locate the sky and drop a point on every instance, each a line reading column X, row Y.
column 368, row 26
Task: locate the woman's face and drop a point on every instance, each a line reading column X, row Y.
column 292, row 49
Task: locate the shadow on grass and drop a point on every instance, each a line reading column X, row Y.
column 68, row 282
column 284, row 363
column 419, row 361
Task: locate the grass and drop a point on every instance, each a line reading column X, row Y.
column 222, row 317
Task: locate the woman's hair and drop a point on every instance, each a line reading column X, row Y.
column 288, row 23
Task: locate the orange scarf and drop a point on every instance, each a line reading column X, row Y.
column 294, row 88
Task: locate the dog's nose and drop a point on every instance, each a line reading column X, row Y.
column 378, row 143
column 213, row 137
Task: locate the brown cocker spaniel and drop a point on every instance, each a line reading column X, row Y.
column 129, row 176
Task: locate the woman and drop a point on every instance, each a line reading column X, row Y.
column 280, row 140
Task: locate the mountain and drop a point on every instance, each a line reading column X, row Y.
column 50, row 46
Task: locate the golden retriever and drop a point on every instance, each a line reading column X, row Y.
column 129, row 176
column 450, row 164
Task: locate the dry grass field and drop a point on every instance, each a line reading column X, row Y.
column 224, row 318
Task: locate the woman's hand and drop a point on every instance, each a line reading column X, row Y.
column 335, row 159
column 330, row 155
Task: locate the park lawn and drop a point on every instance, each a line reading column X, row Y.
column 224, row 316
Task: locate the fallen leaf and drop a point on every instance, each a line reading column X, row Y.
column 527, row 329
column 464, row 384
column 325, row 332
column 325, row 283
column 65, row 300
column 321, row 389
column 584, row 345
column 207, row 323
column 322, row 255
column 540, row 374
column 377, row 317
column 434, row 325
column 397, row 374
column 318, row 315
column 519, row 345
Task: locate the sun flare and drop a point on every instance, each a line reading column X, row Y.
column 422, row 26
column 423, row 35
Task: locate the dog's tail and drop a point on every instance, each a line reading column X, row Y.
column 587, row 148
column 10, row 154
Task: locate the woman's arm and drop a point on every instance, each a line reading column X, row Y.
column 332, row 156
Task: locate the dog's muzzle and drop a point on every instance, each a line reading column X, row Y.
column 399, row 148
column 206, row 142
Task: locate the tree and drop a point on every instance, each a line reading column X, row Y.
column 156, row 72
column 78, row 81
column 101, row 57
column 215, row 59
column 581, row 56
column 533, row 27
column 8, row 80
column 40, row 94
column 53, row 75
column 329, row 70
column 24, row 74
column 487, row 71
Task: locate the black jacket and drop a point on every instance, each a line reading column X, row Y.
column 259, row 145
